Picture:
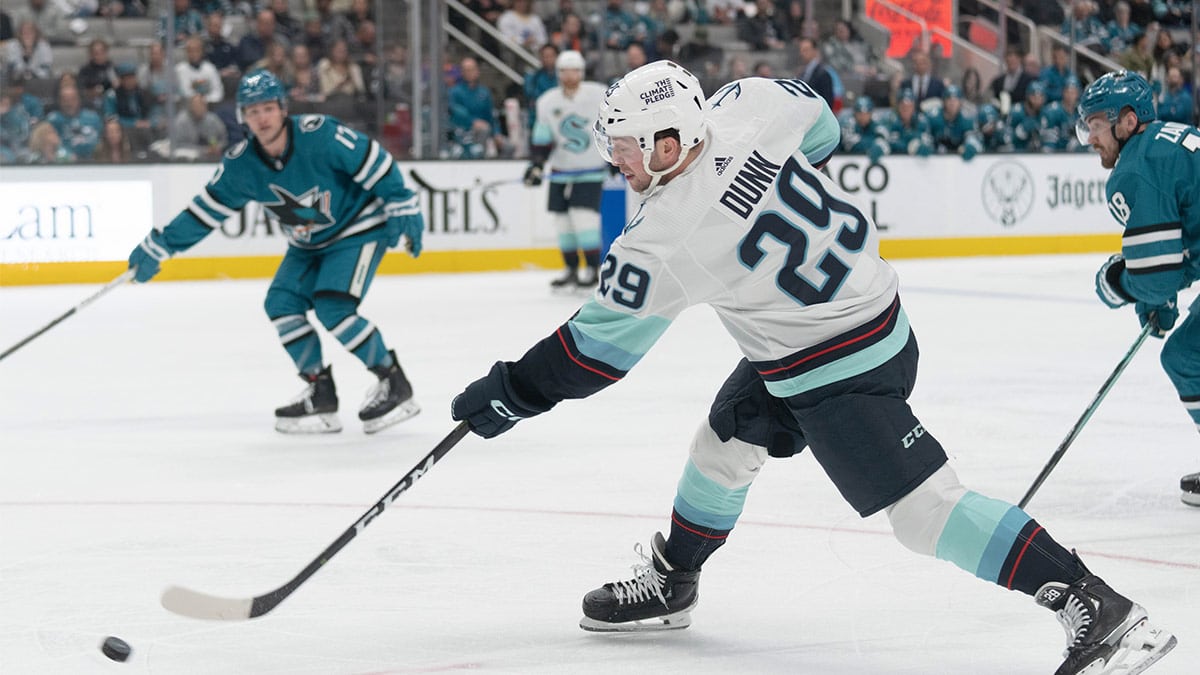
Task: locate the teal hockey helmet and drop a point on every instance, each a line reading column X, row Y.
column 259, row 86
column 1110, row 94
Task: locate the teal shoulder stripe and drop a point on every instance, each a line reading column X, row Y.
column 849, row 366
column 823, row 138
column 615, row 338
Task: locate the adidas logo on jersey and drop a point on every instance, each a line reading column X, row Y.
column 722, row 164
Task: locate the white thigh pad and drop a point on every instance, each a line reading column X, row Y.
column 584, row 219
column 919, row 517
column 732, row 464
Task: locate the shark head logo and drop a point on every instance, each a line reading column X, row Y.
column 303, row 215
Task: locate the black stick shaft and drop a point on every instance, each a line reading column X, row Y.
column 268, row 601
column 126, row 276
column 1087, row 415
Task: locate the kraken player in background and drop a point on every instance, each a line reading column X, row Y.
column 341, row 201
column 562, row 137
column 735, row 215
column 1152, row 193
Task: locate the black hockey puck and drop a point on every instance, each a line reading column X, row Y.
column 116, row 649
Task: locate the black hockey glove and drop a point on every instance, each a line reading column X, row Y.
column 533, row 175
column 490, row 405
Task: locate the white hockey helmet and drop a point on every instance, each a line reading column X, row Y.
column 656, row 97
column 568, row 60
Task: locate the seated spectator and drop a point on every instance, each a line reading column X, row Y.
column 15, row 126
column 14, row 85
column 46, row 146
column 197, row 76
column 152, row 76
column 334, row 26
column 114, row 147
column 338, row 75
column 78, row 127
column 363, row 48
column 1139, row 57
column 29, row 52
column 188, row 22
column 253, row 46
column 305, row 85
column 119, row 8
column 572, row 36
column 360, row 11
column 313, row 38
column 762, row 69
column 522, row 26
column 96, row 76
column 1008, row 88
column 49, row 17
column 658, row 18
column 814, row 72
column 1121, row 31
column 619, row 27
column 849, row 54
column 278, row 63
column 286, row 25
column 1175, row 101
column 539, row 81
column 472, row 115
column 1056, row 74
column 699, row 56
column 199, row 134
column 722, row 12
column 1084, row 27
column 131, row 105
column 635, row 57
column 554, row 20
column 217, row 50
column 1164, row 48
column 1058, row 131
column 972, row 90
column 760, row 26
column 398, row 75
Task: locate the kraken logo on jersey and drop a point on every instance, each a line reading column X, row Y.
column 577, row 133
column 301, row 216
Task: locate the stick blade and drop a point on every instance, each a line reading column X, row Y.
column 197, row 605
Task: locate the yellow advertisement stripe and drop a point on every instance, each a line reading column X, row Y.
column 397, row 262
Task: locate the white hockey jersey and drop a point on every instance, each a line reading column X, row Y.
column 790, row 265
column 566, row 124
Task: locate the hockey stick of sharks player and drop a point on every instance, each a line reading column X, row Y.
column 125, row 276
column 199, row 605
column 1087, row 414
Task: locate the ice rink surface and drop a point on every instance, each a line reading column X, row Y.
column 137, row 451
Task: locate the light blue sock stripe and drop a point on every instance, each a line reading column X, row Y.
column 568, row 242
column 588, row 240
column 979, row 534
column 705, row 502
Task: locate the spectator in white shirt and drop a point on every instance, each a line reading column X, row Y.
column 198, row 76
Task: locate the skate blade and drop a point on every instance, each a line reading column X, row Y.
column 323, row 423
column 677, row 621
column 396, row 415
column 1141, row 647
column 1190, row 498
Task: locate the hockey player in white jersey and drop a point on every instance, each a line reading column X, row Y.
column 562, row 137
column 734, row 215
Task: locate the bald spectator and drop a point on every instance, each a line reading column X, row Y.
column 76, row 126
column 199, row 134
column 196, row 75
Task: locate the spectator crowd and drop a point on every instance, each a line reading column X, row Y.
column 333, row 57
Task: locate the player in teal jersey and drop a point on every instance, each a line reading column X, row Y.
column 1152, row 193
column 862, row 133
column 908, row 128
column 340, row 199
column 953, row 132
column 1027, row 120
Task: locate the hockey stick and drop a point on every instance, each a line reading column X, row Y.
column 199, row 605
column 1087, row 414
column 125, row 276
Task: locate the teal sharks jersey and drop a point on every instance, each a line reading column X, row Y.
column 1152, row 192
column 331, row 183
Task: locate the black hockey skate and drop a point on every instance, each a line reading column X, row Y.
column 314, row 411
column 1106, row 632
column 1190, row 487
column 565, row 281
column 658, row 597
column 390, row 400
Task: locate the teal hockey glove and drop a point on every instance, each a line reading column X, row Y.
column 1108, row 283
column 1161, row 317
column 490, row 405
column 145, row 259
column 404, row 219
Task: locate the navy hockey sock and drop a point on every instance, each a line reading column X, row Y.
column 690, row 544
column 1035, row 558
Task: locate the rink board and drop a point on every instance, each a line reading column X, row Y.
column 76, row 224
